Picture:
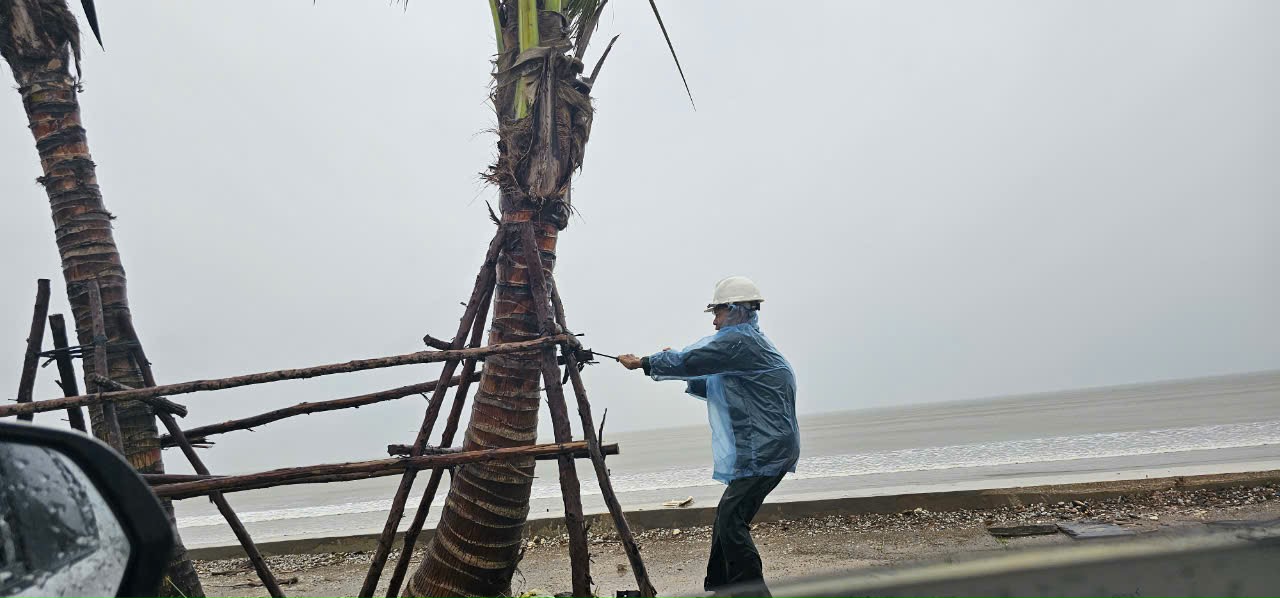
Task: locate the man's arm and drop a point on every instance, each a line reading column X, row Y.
column 632, row 362
column 712, row 355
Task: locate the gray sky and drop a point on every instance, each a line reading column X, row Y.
column 940, row 200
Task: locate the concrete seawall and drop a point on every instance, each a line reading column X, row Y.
column 697, row 516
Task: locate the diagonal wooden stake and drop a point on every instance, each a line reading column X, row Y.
column 66, row 370
column 27, row 381
column 570, row 487
column 143, row 365
column 110, row 423
column 446, row 439
column 484, row 280
column 597, row 460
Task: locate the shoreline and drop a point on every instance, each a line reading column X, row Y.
column 818, row 545
column 772, row 512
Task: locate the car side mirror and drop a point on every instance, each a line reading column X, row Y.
column 75, row 518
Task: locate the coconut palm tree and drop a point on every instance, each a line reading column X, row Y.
column 39, row 39
column 544, row 113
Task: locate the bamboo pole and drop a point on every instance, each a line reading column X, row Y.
column 35, row 338
column 570, row 488
column 110, row 423
column 485, row 280
column 629, row 544
column 66, row 370
column 446, row 438
column 376, row 468
column 201, row 433
column 140, row 361
column 279, row 375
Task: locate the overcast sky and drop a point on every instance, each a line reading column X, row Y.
column 940, row 200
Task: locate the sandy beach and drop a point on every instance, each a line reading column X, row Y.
column 676, row 557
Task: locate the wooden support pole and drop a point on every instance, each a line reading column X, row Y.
column 66, row 370
column 436, row 343
column 629, row 544
column 160, row 479
column 110, row 423
column 140, row 361
column 164, row 479
column 224, row 507
column 376, row 468
column 483, row 287
column 570, row 487
column 446, row 438
column 402, row 450
column 158, row 404
column 279, row 375
column 201, row 433
column 35, row 338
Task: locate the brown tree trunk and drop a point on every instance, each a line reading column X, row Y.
column 38, row 39
column 476, row 547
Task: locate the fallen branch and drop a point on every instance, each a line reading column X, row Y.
column 279, row 375
column 288, row 581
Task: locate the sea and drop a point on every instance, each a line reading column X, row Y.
column 1189, row 427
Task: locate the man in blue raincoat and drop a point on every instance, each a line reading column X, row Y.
column 750, row 390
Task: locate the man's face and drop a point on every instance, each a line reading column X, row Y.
column 720, row 312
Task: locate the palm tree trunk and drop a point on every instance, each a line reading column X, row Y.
column 38, row 39
column 477, row 543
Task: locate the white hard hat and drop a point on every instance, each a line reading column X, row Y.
column 734, row 289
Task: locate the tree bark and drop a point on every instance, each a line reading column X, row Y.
column 38, row 39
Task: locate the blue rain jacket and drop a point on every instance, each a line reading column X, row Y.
column 750, row 390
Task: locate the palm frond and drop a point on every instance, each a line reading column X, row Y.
column 584, row 24
column 671, row 47
column 91, row 15
column 577, row 9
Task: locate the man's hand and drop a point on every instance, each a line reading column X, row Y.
column 629, row 361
